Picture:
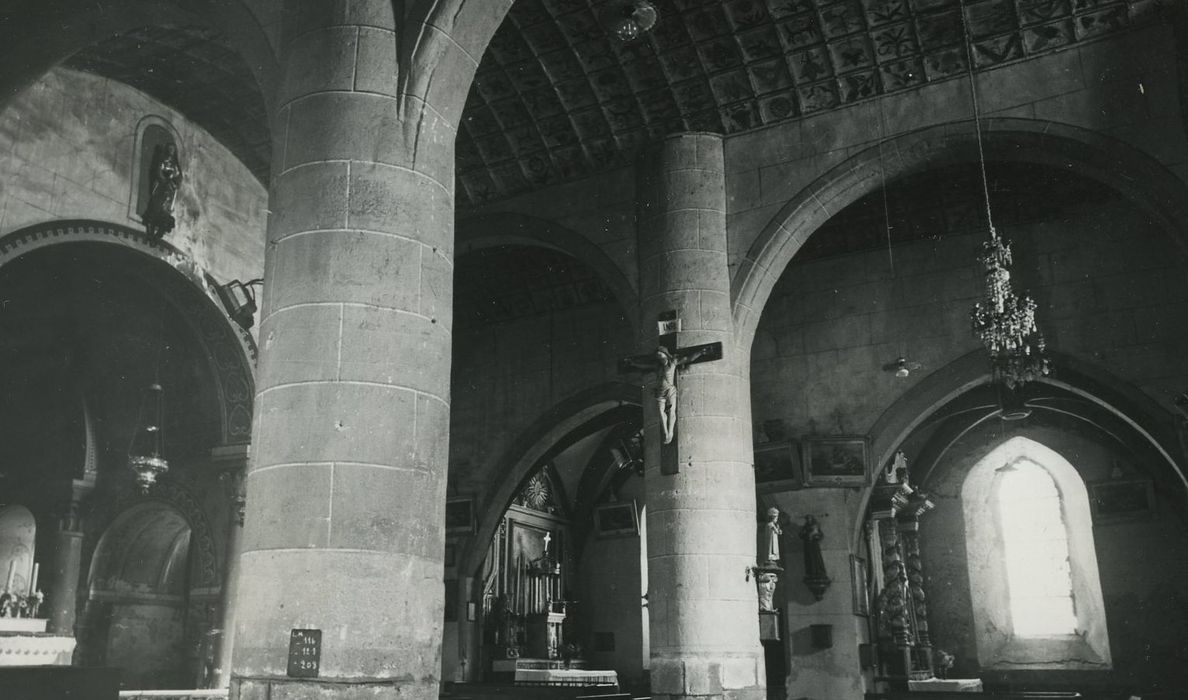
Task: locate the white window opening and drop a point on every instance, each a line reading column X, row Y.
column 1035, row 546
column 1034, row 584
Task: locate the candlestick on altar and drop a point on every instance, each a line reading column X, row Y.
column 33, row 581
column 11, row 574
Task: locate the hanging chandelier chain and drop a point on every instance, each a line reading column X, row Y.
column 883, row 187
column 1003, row 321
column 977, row 117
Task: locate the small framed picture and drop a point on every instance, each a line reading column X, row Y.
column 1120, row 500
column 858, row 579
column 777, row 467
column 835, row 461
column 459, row 518
column 616, row 519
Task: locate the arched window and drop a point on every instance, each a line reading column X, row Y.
column 1032, row 563
column 1035, row 548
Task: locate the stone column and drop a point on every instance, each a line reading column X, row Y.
column 344, row 526
column 232, row 462
column 704, row 629
column 63, row 595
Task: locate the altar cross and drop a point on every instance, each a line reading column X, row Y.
column 665, row 361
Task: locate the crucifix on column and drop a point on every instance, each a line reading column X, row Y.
column 665, row 361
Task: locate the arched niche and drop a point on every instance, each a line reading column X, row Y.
column 138, row 597
column 153, row 133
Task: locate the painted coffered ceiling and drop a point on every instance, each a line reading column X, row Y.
column 556, row 98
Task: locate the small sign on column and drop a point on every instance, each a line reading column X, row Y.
column 305, row 653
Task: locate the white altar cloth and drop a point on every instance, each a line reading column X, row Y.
column 571, row 677
column 952, row 685
column 18, row 649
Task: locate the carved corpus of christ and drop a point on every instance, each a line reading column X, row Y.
column 665, row 364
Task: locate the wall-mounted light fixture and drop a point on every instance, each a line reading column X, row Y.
column 239, row 299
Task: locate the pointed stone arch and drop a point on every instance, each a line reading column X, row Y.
column 533, row 445
column 1149, row 422
column 1125, row 169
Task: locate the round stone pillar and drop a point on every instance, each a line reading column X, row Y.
column 344, row 521
column 64, row 595
column 67, row 561
column 701, row 527
column 233, row 461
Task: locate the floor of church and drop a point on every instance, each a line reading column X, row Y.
column 478, row 691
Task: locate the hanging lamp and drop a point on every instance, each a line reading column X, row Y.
column 1003, row 320
column 148, row 438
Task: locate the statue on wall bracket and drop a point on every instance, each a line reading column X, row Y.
column 166, row 179
column 768, row 568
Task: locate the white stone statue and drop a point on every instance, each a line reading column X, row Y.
column 769, row 554
column 897, row 470
column 766, row 583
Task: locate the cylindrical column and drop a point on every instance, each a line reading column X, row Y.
column 232, row 477
column 63, row 597
column 344, row 525
column 704, row 628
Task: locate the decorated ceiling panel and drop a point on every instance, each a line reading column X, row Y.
column 557, row 98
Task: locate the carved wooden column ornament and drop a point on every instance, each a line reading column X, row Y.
column 917, row 609
column 900, row 608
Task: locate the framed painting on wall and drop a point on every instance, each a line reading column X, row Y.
column 1119, row 500
column 777, row 467
column 835, row 461
column 459, row 516
column 616, row 519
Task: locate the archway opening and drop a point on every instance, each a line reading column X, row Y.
column 138, row 596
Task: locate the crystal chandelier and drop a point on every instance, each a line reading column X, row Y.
column 1005, row 322
column 144, row 454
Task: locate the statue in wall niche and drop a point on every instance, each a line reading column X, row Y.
column 769, row 553
column 166, row 179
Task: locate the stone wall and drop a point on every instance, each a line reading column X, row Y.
column 1108, row 285
column 507, row 375
column 66, row 152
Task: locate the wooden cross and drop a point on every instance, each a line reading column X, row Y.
column 665, row 361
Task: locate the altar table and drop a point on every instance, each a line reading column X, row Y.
column 567, row 677
column 940, row 685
